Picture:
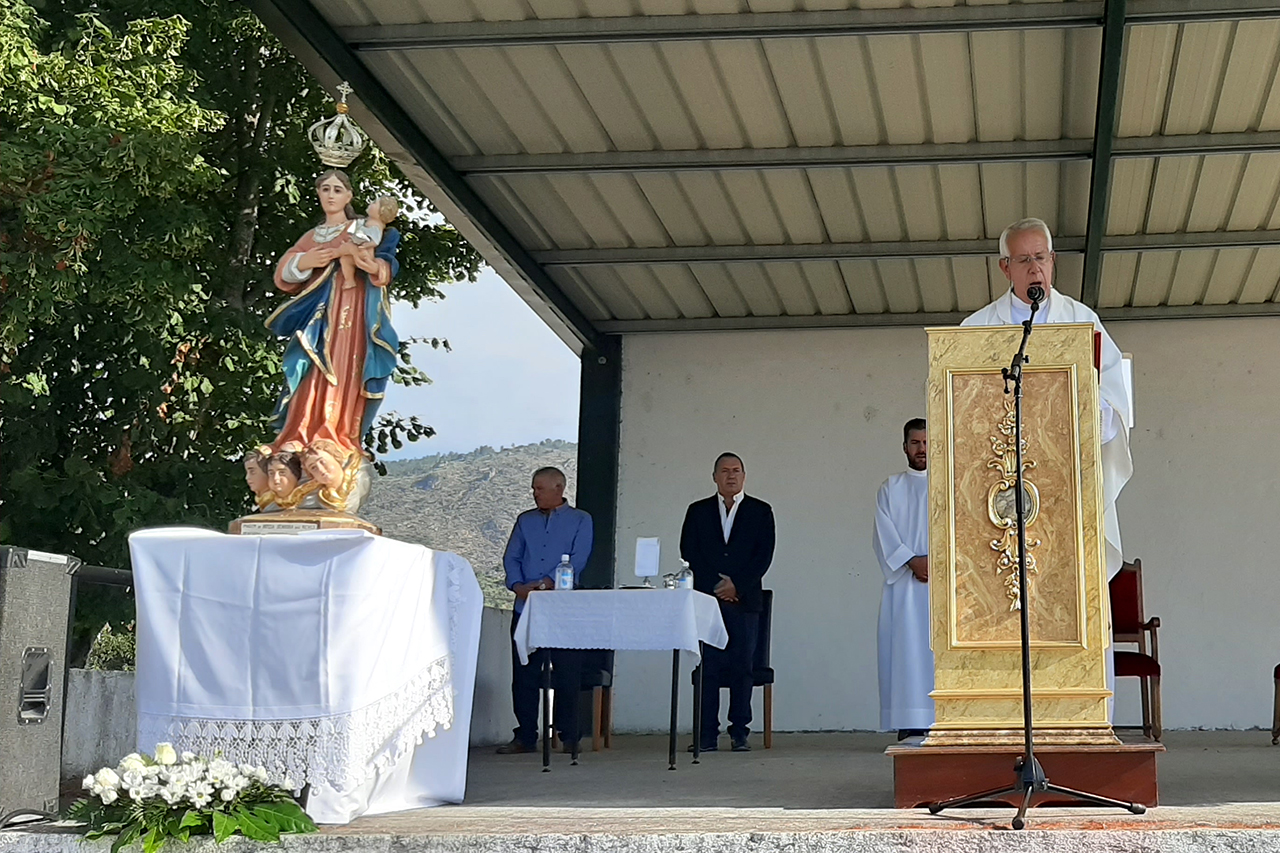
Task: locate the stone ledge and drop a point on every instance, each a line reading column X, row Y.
column 1252, row 828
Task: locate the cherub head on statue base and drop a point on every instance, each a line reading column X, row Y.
column 284, row 475
column 255, row 470
column 340, row 474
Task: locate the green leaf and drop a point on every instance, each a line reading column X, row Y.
column 193, row 818
column 125, row 838
column 153, row 840
column 254, row 827
column 286, row 816
column 224, row 826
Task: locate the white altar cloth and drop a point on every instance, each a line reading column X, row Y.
column 632, row 619
column 340, row 659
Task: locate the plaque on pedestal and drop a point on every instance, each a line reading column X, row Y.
column 298, row 521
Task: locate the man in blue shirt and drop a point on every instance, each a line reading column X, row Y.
column 541, row 536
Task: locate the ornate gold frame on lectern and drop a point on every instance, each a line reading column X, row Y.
column 973, row 550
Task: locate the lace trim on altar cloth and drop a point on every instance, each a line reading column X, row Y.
column 342, row 752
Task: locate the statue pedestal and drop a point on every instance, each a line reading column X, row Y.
column 299, row 520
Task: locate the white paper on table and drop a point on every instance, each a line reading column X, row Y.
column 648, row 549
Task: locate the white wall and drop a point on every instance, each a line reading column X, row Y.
column 100, row 721
column 492, row 717
column 817, row 417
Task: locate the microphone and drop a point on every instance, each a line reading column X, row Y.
column 1036, row 294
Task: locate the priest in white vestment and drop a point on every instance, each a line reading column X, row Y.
column 1026, row 259
column 901, row 542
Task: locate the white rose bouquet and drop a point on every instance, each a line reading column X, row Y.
column 154, row 799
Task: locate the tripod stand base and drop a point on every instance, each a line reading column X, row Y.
column 923, row 774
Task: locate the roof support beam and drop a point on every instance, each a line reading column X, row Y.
column 753, row 25
column 653, row 256
column 1018, row 151
column 1104, row 128
column 861, row 156
column 1183, row 241
column 307, row 23
column 847, row 321
column 1250, row 142
column 1189, row 11
column 790, row 252
column 762, row 25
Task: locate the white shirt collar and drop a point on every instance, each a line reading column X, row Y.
column 727, row 516
column 1018, row 311
column 914, row 473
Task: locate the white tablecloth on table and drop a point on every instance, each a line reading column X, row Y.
column 631, row 619
column 337, row 658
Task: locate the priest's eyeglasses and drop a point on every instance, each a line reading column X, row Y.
column 1040, row 258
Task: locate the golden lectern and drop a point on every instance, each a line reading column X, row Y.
column 973, row 542
column 973, row 565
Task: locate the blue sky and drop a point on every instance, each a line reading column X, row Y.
column 509, row 379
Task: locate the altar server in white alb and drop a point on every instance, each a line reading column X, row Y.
column 901, row 543
column 1026, row 258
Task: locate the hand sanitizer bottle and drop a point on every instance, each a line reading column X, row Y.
column 564, row 573
column 684, row 580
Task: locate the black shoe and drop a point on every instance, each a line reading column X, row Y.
column 903, row 734
column 740, row 745
column 516, row 747
column 705, row 748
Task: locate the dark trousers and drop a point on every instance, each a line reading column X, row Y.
column 526, row 682
column 730, row 667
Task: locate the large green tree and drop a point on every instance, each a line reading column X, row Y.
column 153, row 164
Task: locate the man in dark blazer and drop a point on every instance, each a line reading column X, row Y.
column 728, row 542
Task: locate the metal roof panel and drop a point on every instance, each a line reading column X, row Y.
column 720, row 289
column 630, row 107
column 1258, row 191
column 1197, row 76
column 1230, row 268
column 862, row 280
column 828, row 287
column 1191, row 277
column 1263, row 278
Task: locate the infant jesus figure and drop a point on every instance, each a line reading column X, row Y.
column 366, row 234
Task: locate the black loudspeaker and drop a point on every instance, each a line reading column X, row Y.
column 35, row 603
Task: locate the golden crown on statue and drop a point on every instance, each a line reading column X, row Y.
column 337, row 140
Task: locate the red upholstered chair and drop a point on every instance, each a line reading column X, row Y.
column 1130, row 625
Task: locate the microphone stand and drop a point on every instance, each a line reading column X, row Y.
column 1029, row 775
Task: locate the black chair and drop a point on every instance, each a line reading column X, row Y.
column 1275, row 717
column 761, row 668
column 597, row 682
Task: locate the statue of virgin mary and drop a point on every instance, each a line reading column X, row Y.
column 341, row 348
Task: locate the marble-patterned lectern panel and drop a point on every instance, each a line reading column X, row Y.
column 985, row 612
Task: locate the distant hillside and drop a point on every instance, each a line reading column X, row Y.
column 466, row 502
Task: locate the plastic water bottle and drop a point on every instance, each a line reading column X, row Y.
column 564, row 573
column 684, row 580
